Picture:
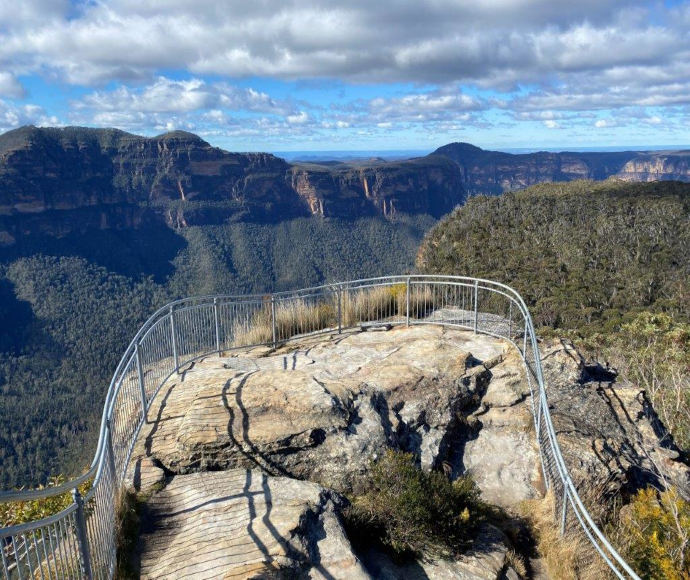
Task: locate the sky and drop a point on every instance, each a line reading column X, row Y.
column 311, row 75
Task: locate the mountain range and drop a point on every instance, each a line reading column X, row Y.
column 60, row 180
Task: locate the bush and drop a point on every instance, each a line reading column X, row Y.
column 654, row 532
column 413, row 512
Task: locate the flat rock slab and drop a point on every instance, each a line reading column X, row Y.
column 319, row 409
column 244, row 524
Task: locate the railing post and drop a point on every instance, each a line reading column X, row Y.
column 476, row 305
column 407, row 301
column 524, row 342
column 142, row 388
column 510, row 320
column 82, row 540
column 217, row 324
column 273, row 319
column 110, row 448
column 565, row 508
column 340, row 308
column 173, row 334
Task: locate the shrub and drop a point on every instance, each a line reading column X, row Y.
column 413, row 512
column 654, row 532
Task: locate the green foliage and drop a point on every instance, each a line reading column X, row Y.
column 414, row 512
column 19, row 512
column 655, row 533
column 583, row 255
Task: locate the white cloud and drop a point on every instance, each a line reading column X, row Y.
column 553, row 63
column 10, row 86
column 492, row 43
column 13, row 116
column 181, row 96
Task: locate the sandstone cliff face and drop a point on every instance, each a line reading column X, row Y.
column 428, row 185
column 56, row 181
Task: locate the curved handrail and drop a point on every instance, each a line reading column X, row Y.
column 187, row 329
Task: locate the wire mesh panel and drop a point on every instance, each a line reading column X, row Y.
column 195, row 327
column 156, row 355
column 46, row 549
column 100, row 512
column 126, row 414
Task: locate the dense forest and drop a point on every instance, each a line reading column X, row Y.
column 70, row 305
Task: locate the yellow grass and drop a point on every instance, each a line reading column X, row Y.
column 301, row 317
column 566, row 557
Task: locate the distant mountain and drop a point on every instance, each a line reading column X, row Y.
column 57, row 181
column 494, row 172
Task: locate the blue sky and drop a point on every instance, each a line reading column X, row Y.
column 345, row 75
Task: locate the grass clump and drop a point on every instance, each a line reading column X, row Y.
column 566, row 557
column 291, row 318
column 415, row 513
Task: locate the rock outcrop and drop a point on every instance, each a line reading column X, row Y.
column 321, row 410
column 257, row 446
column 610, row 437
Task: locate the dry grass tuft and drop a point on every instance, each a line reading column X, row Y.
column 297, row 317
column 566, row 557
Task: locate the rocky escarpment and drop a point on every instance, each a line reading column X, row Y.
column 493, row 172
column 429, row 185
column 56, row 181
column 324, row 408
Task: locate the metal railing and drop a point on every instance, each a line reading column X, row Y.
column 80, row 542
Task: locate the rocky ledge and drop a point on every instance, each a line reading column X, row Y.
column 245, row 457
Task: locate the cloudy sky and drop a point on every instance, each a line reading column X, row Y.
column 353, row 74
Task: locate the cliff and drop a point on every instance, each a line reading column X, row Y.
column 493, row 172
column 55, row 181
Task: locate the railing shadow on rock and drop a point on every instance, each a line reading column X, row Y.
column 80, row 541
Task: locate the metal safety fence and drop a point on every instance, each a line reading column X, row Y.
column 80, row 541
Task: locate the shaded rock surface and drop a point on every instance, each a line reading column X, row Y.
column 610, row 437
column 488, row 560
column 245, row 524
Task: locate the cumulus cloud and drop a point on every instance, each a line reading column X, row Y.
column 492, row 42
column 180, row 96
column 13, row 116
column 553, row 64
